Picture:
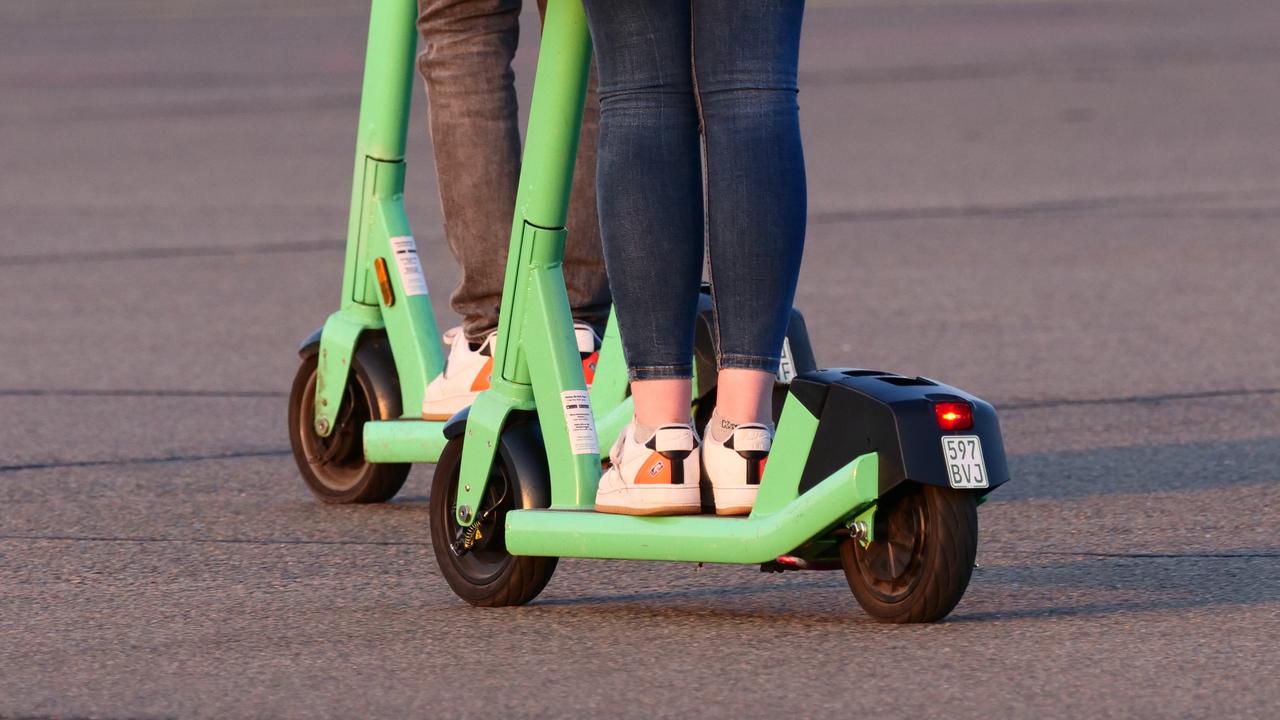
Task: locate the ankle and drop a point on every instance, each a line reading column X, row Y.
column 721, row 426
column 643, row 432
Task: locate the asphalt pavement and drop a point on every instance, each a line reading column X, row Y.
column 1069, row 207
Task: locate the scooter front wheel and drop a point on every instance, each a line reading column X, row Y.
column 474, row 560
column 918, row 567
column 334, row 467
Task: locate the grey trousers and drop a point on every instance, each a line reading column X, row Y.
column 466, row 65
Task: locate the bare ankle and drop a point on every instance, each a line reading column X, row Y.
column 662, row 402
column 744, row 396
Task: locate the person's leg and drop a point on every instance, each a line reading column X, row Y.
column 466, row 65
column 650, row 195
column 650, row 199
column 472, row 111
column 745, row 58
column 471, row 108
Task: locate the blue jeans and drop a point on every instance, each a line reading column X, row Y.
column 687, row 86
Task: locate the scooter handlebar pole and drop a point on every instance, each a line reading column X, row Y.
column 388, row 80
column 546, row 174
column 555, row 115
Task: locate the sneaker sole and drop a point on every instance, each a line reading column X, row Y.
column 734, row 501
column 651, row 510
column 445, row 408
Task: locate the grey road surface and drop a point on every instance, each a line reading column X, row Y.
column 1071, row 207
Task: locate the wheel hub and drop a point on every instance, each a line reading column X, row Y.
column 478, row 545
column 891, row 564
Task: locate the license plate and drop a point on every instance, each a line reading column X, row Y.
column 965, row 467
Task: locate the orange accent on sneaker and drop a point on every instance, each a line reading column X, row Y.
column 656, row 470
column 589, row 366
column 482, row 379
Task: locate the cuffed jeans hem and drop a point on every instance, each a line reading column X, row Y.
column 661, row 372
column 749, row 362
column 478, row 331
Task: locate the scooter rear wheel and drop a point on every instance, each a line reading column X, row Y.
column 334, row 467
column 919, row 565
column 474, row 560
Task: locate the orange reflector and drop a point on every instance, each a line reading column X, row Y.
column 589, row 367
column 384, row 282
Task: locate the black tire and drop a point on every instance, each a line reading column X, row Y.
column 334, row 467
column 486, row 575
column 917, row 569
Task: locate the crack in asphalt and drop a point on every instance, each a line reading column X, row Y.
column 57, row 464
column 88, row 392
column 1032, row 208
column 1098, row 68
column 160, row 253
column 209, row 541
column 87, row 717
column 1135, row 399
column 1170, row 202
column 202, row 108
column 1138, row 555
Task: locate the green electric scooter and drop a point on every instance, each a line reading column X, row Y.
column 870, row 472
column 355, row 421
column 354, row 411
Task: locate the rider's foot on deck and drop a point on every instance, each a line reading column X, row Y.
column 466, row 373
column 469, row 365
column 735, row 463
column 656, row 477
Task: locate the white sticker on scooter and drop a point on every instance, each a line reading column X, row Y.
column 966, row 469
column 581, row 424
column 405, row 251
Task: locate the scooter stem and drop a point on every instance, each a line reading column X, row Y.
column 535, row 358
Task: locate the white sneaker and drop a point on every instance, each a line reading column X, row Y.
column 736, row 465
column 467, row 371
column 588, row 349
column 659, row 477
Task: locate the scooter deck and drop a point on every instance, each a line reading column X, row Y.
column 754, row 539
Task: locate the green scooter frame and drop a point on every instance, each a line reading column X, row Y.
column 354, row 410
column 871, row 472
column 354, row 419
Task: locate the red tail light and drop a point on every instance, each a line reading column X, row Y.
column 953, row 415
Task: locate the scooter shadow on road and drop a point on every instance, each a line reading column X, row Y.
column 1034, row 584
column 1124, row 584
column 818, row 600
column 1087, row 587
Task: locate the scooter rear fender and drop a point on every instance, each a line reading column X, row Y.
column 862, row 411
